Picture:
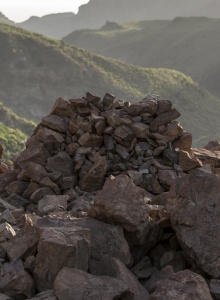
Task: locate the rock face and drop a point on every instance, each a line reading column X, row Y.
column 57, row 248
column 76, row 284
column 181, row 285
column 195, row 212
column 122, row 202
column 109, row 201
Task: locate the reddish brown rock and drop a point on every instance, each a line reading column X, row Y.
column 90, row 140
column 165, row 118
column 145, row 106
column 208, row 157
column 113, row 118
column 62, row 108
column 60, row 162
column 106, row 241
column 73, row 127
column 50, row 138
column 4, row 297
column 15, row 281
column 213, row 146
column 124, row 135
column 164, row 106
column 100, row 127
column 39, row 193
column 141, row 130
column 195, row 210
column 32, row 171
column 22, row 245
column 6, row 232
column 122, row 202
column 4, row 167
column 76, row 284
column 52, row 203
column 55, row 123
column 188, row 161
column 116, row 269
column 94, row 179
column 35, row 153
column 58, row 248
column 6, row 179
column 182, row 285
column 108, row 100
column 184, row 142
column 16, row 187
column 173, row 131
column 48, row 295
column 167, row 177
column 78, row 102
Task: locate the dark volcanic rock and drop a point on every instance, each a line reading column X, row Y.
column 122, row 202
column 195, row 211
column 127, row 167
column 76, row 284
column 182, row 285
column 58, row 248
column 15, row 281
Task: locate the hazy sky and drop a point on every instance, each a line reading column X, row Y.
column 21, row 10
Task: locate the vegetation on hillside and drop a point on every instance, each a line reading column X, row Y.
column 38, row 70
column 10, row 119
column 190, row 45
column 13, row 142
column 14, row 132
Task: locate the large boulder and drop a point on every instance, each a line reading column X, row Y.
column 195, row 216
column 107, row 240
column 15, row 281
column 182, row 285
column 58, row 248
column 116, row 269
column 122, row 202
column 77, row 284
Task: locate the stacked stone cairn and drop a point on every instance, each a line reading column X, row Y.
column 109, row 201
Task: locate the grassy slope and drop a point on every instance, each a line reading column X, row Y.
column 190, row 45
column 13, row 142
column 37, row 70
column 14, row 131
column 10, row 119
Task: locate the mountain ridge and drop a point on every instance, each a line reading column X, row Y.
column 190, row 45
column 95, row 13
column 36, row 70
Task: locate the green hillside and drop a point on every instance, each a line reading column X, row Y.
column 14, row 132
column 190, row 45
column 35, row 71
column 13, row 142
column 10, row 119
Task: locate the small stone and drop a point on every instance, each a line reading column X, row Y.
column 108, row 100
column 188, row 161
column 52, row 203
column 62, row 108
column 55, row 123
column 90, row 140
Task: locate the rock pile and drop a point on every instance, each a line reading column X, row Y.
column 109, row 201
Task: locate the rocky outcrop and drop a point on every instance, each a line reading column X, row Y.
column 109, row 200
column 195, row 216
